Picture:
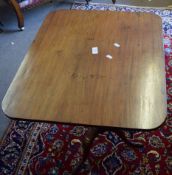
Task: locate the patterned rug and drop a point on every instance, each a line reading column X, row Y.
column 36, row 148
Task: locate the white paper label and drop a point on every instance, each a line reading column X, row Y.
column 109, row 56
column 95, row 50
column 116, row 45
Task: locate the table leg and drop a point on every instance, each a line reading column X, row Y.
column 19, row 14
column 1, row 30
column 121, row 134
column 92, row 133
column 87, row 1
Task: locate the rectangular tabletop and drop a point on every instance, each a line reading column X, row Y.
column 61, row 80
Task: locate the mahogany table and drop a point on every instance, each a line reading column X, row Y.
column 123, row 85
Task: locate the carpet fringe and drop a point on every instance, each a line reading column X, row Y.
column 121, row 5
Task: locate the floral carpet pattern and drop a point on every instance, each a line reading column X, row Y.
column 36, row 148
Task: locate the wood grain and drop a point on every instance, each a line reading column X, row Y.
column 60, row 80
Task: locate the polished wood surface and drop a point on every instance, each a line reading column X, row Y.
column 61, row 80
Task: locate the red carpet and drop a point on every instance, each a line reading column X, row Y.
column 49, row 148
